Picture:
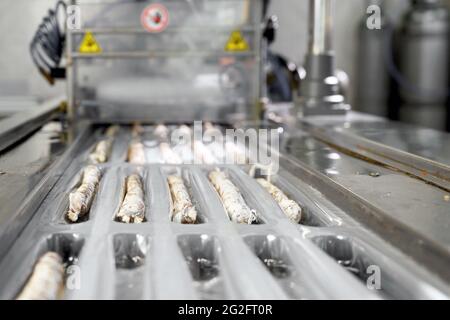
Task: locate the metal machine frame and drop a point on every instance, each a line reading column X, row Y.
column 73, row 56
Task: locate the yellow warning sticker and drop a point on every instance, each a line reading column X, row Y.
column 89, row 44
column 236, row 42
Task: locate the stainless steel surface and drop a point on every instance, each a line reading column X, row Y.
column 400, row 201
column 325, row 256
column 419, row 141
column 379, row 189
column 26, row 175
column 21, row 124
column 319, row 90
column 374, row 194
column 417, row 151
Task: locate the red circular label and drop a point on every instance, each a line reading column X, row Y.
column 155, row 18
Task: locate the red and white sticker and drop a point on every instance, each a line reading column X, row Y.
column 155, row 18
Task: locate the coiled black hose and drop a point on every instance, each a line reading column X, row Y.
column 47, row 45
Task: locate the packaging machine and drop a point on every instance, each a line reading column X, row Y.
column 373, row 195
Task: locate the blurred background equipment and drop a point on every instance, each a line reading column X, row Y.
column 205, row 64
column 424, row 64
column 48, row 43
column 319, row 90
column 373, row 79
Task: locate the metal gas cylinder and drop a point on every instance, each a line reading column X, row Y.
column 423, row 63
column 373, row 79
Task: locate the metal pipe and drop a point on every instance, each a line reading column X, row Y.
column 319, row 92
column 320, row 26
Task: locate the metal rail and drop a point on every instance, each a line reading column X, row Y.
column 416, row 245
column 140, row 31
column 17, row 221
column 432, row 172
column 20, row 125
column 158, row 54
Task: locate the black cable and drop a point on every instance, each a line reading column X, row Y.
column 47, row 45
column 265, row 8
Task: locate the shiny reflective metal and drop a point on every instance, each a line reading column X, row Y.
column 19, row 125
column 319, row 91
column 320, row 27
column 358, row 216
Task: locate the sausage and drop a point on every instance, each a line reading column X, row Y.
column 183, row 211
column 80, row 200
column 47, row 280
column 290, row 208
column 235, row 205
column 132, row 209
